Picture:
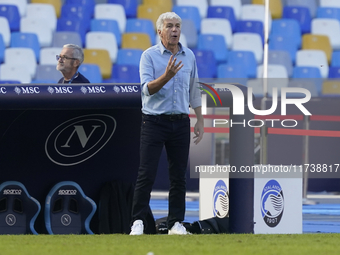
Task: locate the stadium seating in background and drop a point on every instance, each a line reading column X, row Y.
column 335, row 58
column 39, row 27
column 334, row 72
column 274, row 71
column 281, row 58
column 111, row 11
column 43, row 11
column 9, row 82
column 329, row 27
column 21, row 56
column 249, row 42
column 231, row 71
column 135, row 41
column 125, row 74
column 2, row 49
column 223, row 12
column 330, row 3
column 129, row 56
column 246, row 59
column 163, row 5
column 91, row 72
column 88, row 4
column 82, row 12
column 73, row 24
column 190, row 13
column 47, row 72
column 215, row 43
column 283, row 43
column 107, row 25
column 5, row 31
column 21, row 4
column 312, row 5
column 331, row 88
column 287, row 27
column 148, row 11
column 141, row 26
column 317, row 42
column 313, row 58
column 235, row 4
column 26, row 40
column 102, row 40
column 250, row 26
column 300, row 14
column 306, row 72
column 130, row 6
column 255, row 12
column 328, row 13
column 275, row 7
column 11, row 13
column 218, row 26
column 100, row 58
column 189, row 30
column 56, row 4
column 206, row 63
column 15, row 72
column 48, row 55
column 202, row 6
column 60, row 38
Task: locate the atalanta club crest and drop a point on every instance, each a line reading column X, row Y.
column 220, row 200
column 272, row 203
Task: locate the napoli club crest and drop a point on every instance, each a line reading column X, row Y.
column 220, row 200
column 272, row 203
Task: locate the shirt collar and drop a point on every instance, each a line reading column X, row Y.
column 163, row 49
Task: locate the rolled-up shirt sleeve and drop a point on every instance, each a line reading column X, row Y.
column 146, row 71
column 195, row 92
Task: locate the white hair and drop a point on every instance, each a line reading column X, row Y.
column 164, row 16
column 77, row 52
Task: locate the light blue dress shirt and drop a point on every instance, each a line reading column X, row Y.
column 176, row 95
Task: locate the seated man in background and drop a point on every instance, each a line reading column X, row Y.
column 69, row 60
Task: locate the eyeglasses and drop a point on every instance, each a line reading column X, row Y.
column 63, row 58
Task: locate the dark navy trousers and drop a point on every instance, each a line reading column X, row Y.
column 158, row 131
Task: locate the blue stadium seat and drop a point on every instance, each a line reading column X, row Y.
column 191, row 35
column 215, row 43
column 81, row 12
column 231, row 71
column 26, row 40
column 9, row 82
column 73, row 24
column 18, row 209
column 89, row 4
column 11, row 12
column 306, row 72
column 91, row 72
column 334, row 72
column 245, row 59
column 129, row 57
column 2, row 50
column 308, row 84
column 282, row 42
column 250, row 26
column 335, row 59
column 301, row 14
column 310, row 4
column 129, row 6
column 328, row 13
column 107, row 25
column 223, row 12
column 68, row 210
column 36, row 81
column 287, row 27
column 206, row 63
column 141, row 26
column 125, row 73
column 189, row 12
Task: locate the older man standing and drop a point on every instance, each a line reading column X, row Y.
column 169, row 76
column 69, row 60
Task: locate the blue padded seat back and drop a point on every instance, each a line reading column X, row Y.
column 18, row 210
column 68, row 210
